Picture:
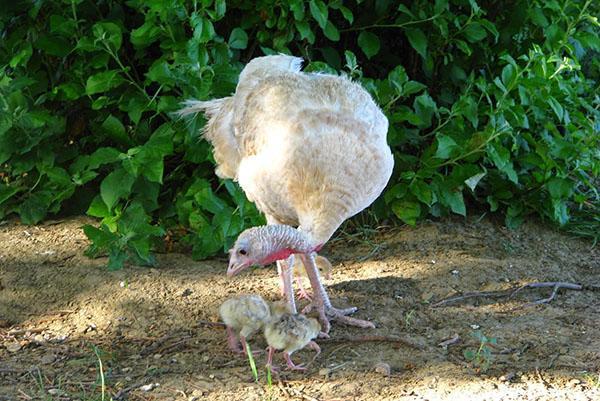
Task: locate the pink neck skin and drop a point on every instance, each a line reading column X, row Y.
column 283, row 254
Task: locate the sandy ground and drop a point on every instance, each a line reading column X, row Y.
column 61, row 313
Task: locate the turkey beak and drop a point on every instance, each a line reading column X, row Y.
column 234, row 268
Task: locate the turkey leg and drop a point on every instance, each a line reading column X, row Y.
column 322, row 303
column 286, row 267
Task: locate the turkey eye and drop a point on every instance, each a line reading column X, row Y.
column 242, row 252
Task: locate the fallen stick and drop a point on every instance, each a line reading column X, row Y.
column 511, row 292
column 365, row 339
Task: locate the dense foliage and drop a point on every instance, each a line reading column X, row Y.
column 490, row 103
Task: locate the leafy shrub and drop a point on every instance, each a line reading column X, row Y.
column 498, row 106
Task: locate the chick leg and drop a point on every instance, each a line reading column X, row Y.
column 322, row 303
column 269, row 364
column 313, row 345
column 302, row 294
column 245, row 346
column 291, row 365
column 233, row 342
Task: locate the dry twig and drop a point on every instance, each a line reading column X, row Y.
column 511, row 292
column 365, row 339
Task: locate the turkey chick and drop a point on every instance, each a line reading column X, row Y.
column 290, row 333
column 243, row 316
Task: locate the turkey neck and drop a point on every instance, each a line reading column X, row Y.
column 280, row 238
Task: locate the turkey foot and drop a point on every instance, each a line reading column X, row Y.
column 327, row 314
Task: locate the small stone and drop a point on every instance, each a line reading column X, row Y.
column 211, row 376
column 507, row 377
column 433, row 262
column 13, row 346
column 383, row 368
column 48, row 358
column 149, row 387
column 574, row 382
column 125, row 370
column 39, row 339
column 55, row 391
column 324, row 372
column 475, row 326
column 455, row 272
column 157, row 356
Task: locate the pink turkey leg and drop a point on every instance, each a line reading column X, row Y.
column 322, row 303
column 287, row 267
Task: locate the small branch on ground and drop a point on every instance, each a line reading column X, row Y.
column 365, row 339
column 511, row 292
column 206, row 323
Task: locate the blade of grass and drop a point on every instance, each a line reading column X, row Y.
column 251, row 361
column 103, row 388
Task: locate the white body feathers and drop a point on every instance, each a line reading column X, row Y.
column 309, row 149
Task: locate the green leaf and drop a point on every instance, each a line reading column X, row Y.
column 422, row 191
column 109, row 33
column 6, row 192
column 53, row 45
column 418, row 41
column 331, row 32
column 102, row 156
column 319, row 11
column 560, row 188
column 303, row 28
column 115, row 186
column 297, row 7
column 454, row 199
column 508, row 75
column 407, row 211
column 103, row 81
column 220, row 8
column 98, row 208
column 348, row 16
column 474, row 180
column 115, row 130
column 445, row 146
column 368, row 43
column 474, row 32
column 238, row 39
column 145, row 35
column 412, row 87
column 34, row 208
column 556, row 106
column 425, row 107
column 500, row 156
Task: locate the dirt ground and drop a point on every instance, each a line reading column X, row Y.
column 62, row 313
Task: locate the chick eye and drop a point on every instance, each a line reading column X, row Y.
column 242, row 252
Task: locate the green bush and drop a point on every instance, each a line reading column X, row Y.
column 496, row 105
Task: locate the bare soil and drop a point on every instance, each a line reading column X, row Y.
column 61, row 313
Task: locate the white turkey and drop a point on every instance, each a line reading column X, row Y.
column 310, row 151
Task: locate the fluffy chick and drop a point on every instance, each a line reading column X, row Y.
column 290, row 333
column 244, row 315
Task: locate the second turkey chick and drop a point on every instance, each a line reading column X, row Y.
column 243, row 316
column 290, row 333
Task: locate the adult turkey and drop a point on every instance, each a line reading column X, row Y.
column 310, row 150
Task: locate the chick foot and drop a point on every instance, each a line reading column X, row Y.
column 303, row 294
column 290, row 364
